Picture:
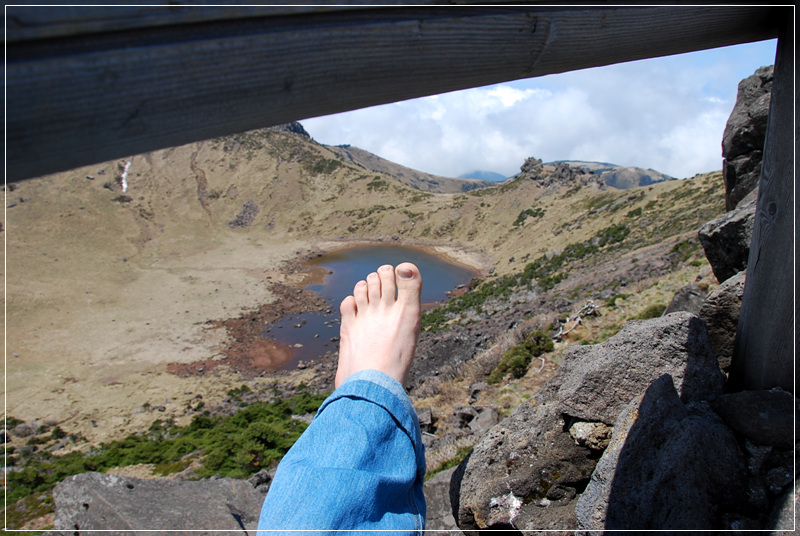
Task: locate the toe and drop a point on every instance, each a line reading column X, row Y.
column 348, row 308
column 373, row 288
column 388, row 289
column 409, row 283
column 360, row 295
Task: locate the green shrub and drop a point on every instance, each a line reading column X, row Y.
column 516, row 360
column 538, row 213
column 321, row 166
column 545, row 271
column 635, row 213
column 377, row 184
column 651, row 311
column 235, row 446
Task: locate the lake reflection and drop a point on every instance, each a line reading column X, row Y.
column 344, row 268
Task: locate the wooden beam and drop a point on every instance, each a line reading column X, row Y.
column 77, row 99
column 764, row 354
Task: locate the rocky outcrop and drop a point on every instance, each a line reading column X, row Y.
column 562, row 175
column 674, row 450
column 246, row 216
column 528, row 471
column 726, row 240
column 98, row 501
column 689, row 298
column 291, row 128
column 670, row 465
column 745, row 132
column 720, row 311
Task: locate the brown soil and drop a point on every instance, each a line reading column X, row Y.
column 247, row 351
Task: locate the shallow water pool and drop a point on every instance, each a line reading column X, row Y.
column 317, row 333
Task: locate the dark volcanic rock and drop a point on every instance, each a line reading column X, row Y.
column 764, row 417
column 721, row 314
column 98, row 501
column 437, row 357
column 667, row 467
column 528, row 471
column 246, row 216
column 439, row 514
column 745, row 132
column 726, row 240
column 689, row 298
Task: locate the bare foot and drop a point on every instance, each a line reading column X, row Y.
column 379, row 331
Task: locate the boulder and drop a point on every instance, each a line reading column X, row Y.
column 726, row 240
column 720, row 311
column 527, row 471
column 426, row 420
column 743, row 139
column 596, row 382
column 439, row 514
column 669, row 466
column 689, row 298
column 524, row 473
column 99, row 501
column 592, row 435
column 764, row 417
column 475, row 390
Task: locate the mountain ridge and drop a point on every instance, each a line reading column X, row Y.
column 411, row 177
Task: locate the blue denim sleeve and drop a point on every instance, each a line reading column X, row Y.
column 360, row 465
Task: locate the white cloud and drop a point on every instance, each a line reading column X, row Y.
column 666, row 114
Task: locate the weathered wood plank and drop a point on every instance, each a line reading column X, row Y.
column 26, row 23
column 86, row 99
column 764, row 355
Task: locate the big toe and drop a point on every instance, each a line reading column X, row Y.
column 409, row 282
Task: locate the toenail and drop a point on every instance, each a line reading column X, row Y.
column 405, row 273
column 386, row 268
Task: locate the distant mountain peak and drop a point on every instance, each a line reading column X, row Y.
column 483, row 175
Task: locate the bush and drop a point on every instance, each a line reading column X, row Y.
column 545, row 271
column 635, row 213
column 235, row 446
column 525, row 214
column 652, row 311
column 517, row 359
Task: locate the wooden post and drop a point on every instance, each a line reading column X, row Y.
column 86, row 84
column 764, row 352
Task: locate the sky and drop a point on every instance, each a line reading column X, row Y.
column 666, row 114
